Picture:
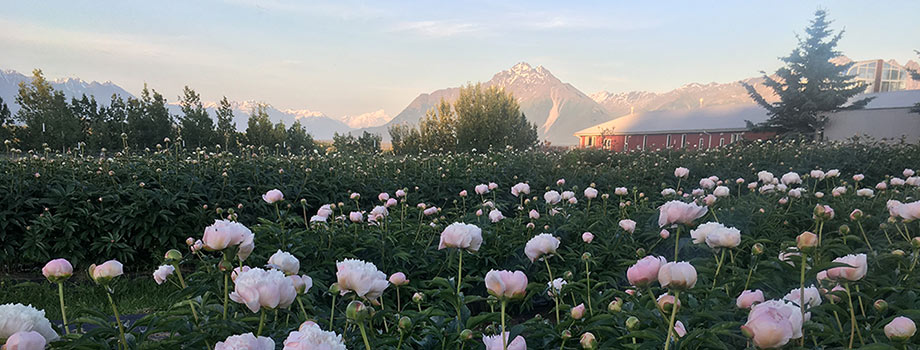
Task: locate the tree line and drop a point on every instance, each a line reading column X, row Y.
column 46, row 119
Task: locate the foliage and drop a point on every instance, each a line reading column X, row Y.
column 151, row 202
column 480, row 119
column 810, row 83
column 195, row 125
column 365, row 144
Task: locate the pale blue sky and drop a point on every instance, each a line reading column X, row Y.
column 351, row 57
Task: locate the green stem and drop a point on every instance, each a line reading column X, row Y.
column 459, row 270
column 852, row 316
column 367, row 345
column 556, row 297
column 302, row 309
column 667, row 341
column 588, row 286
column 864, row 237
column 121, row 329
column 398, row 301
column 719, row 262
column 750, row 273
column 332, row 310
column 504, row 339
column 802, row 293
column 226, row 293
column 261, row 323
column 179, row 273
column 63, row 313
column 676, row 240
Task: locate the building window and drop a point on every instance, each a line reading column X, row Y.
column 608, row 143
column 700, row 144
column 683, row 140
column 721, row 140
column 890, row 77
column 590, row 141
column 625, row 143
column 667, row 142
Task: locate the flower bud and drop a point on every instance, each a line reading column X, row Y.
column 356, row 311
column 566, row 334
column 806, row 241
column 568, row 275
column 844, row 229
column 915, row 242
column 405, row 324
column 898, row 252
column 640, row 252
column 880, row 305
column 632, row 322
column 465, row 335
column 418, row 297
column 588, row 341
column 174, row 255
column 334, row 289
column 225, row 266
column 616, row 305
column 757, row 249
column 586, row 256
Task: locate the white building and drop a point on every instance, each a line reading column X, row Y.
column 887, row 116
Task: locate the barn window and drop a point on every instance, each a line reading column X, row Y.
column 644, row 138
column 607, row 143
column 700, row 144
column 683, row 140
column 667, row 142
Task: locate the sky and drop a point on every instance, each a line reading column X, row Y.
column 352, row 57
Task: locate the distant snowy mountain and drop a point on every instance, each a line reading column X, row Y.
column 557, row 108
column 318, row 124
column 366, row 120
column 72, row 87
column 686, row 97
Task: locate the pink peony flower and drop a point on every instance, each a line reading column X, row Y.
column 495, row 342
column 246, row 341
column 587, row 237
column 677, row 275
column 900, row 329
column 645, row 271
column 462, row 236
column 25, row 340
column 748, row 298
column 677, row 212
column 273, row 196
column 360, row 277
column 540, row 245
column 506, row 284
column 855, row 272
column 258, row 288
column 628, row 225
column 398, row 279
column 57, row 270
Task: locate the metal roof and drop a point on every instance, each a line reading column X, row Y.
column 723, row 118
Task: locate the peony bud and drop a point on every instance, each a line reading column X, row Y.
column 616, row 305
column 632, row 322
column 588, row 341
column 418, row 297
column 405, row 324
column 757, row 249
column 806, row 240
column 566, row 334
column 880, row 305
column 578, row 312
column 356, row 311
column 466, row 335
column 173, row 255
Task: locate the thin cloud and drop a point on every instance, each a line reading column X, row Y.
column 346, row 10
column 437, row 29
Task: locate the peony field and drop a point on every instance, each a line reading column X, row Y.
column 755, row 245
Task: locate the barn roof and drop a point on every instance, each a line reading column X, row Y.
column 709, row 119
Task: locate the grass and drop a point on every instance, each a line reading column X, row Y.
column 134, row 295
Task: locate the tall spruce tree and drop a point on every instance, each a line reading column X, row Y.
column 149, row 121
column 226, row 128
column 5, row 116
column 809, row 85
column 197, row 128
column 259, row 128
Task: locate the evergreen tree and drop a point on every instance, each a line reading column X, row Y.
column 259, row 129
column 113, row 132
column 149, row 121
column 809, row 85
column 46, row 115
column 5, row 116
column 6, row 121
column 298, row 139
column 196, row 126
column 226, row 128
column 89, row 113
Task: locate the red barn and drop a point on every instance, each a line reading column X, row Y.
column 700, row 128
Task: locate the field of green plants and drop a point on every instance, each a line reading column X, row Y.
column 757, row 245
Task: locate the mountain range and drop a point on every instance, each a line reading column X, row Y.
column 556, row 107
